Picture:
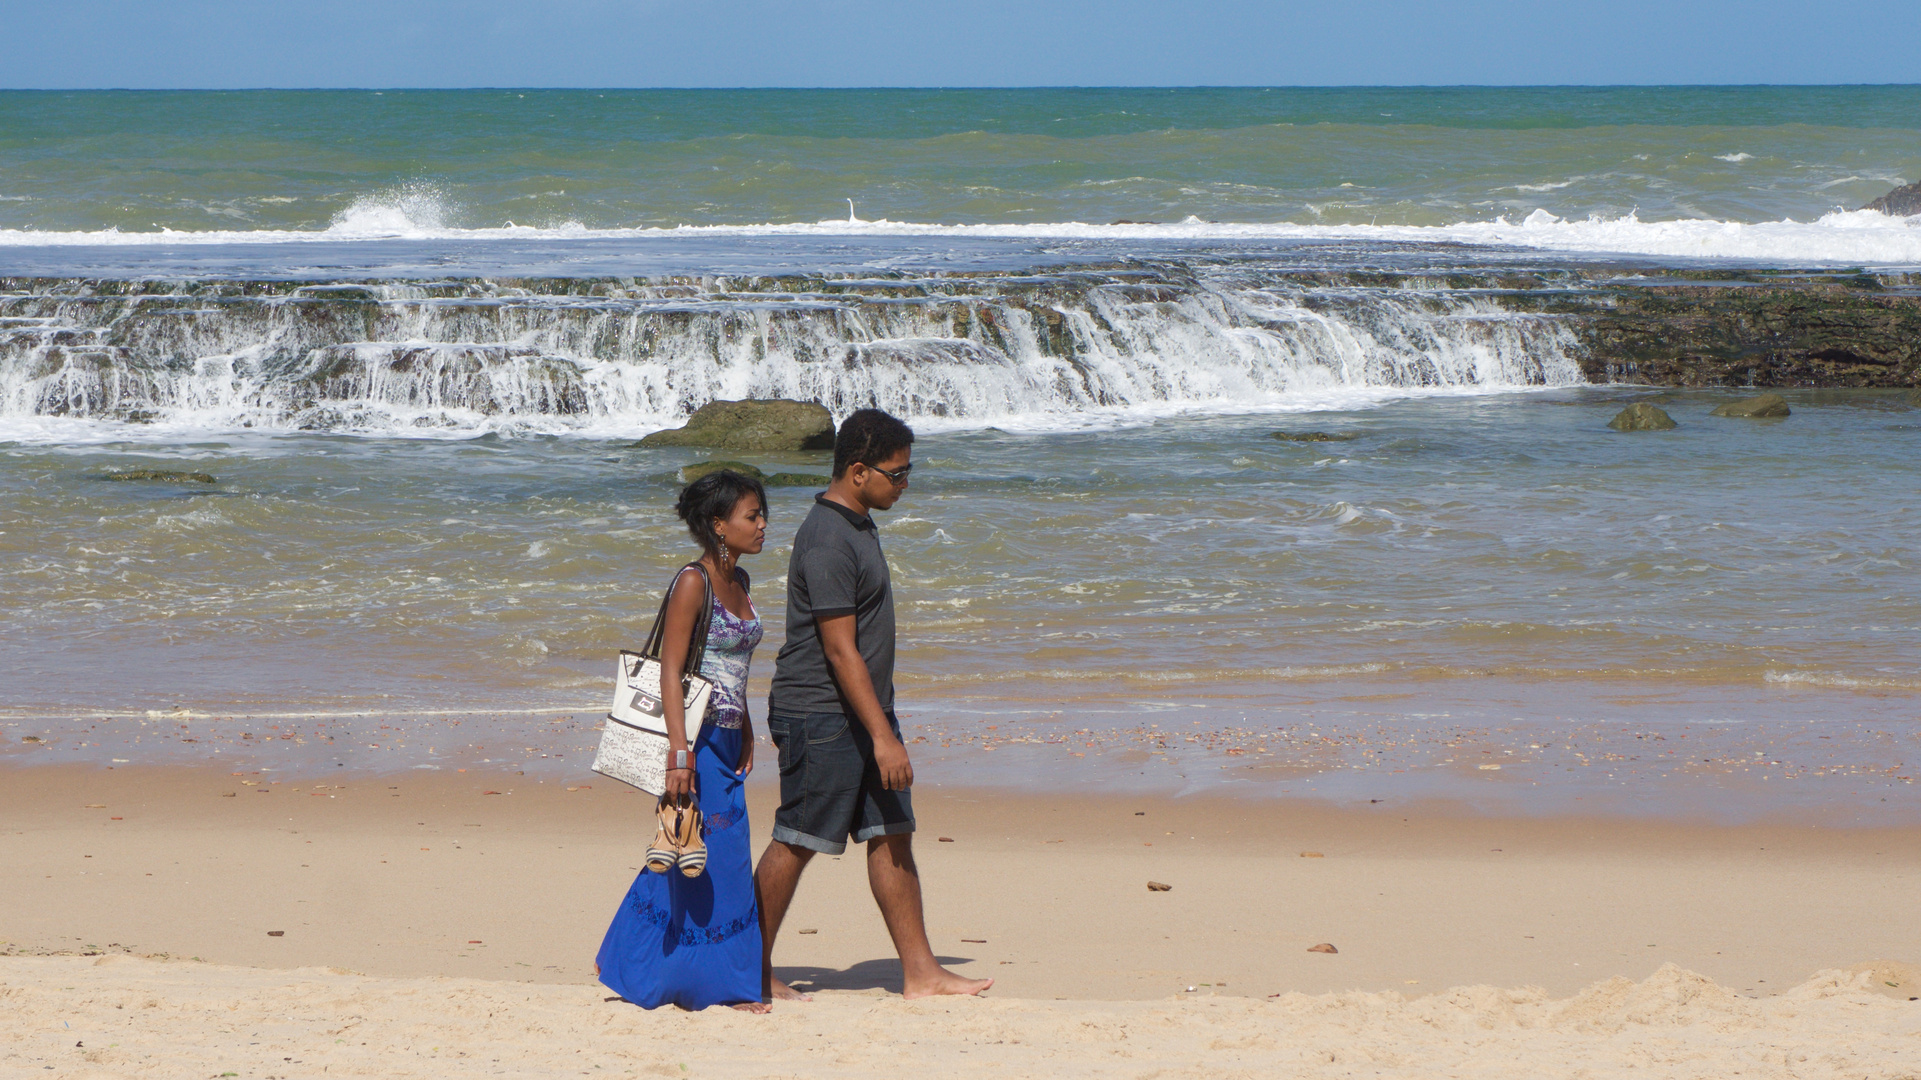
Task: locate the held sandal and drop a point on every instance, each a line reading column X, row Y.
column 668, row 848
column 663, row 853
column 685, row 834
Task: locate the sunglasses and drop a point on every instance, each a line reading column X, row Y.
column 897, row 476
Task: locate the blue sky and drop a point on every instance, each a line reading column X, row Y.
column 606, row 43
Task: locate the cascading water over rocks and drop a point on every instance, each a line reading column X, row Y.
column 628, row 355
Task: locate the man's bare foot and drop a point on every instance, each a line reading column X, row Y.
column 944, row 981
column 758, row 1008
column 780, row 991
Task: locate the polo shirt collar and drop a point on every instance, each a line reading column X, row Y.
column 858, row 521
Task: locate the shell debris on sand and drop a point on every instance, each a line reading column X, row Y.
column 1673, row 1024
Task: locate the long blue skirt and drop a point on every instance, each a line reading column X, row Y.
column 694, row 942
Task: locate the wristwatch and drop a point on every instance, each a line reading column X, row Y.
column 680, row 759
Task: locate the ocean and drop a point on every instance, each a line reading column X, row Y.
column 414, row 336
column 1747, row 172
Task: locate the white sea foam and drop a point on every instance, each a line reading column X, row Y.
column 404, row 211
column 1550, row 187
column 1101, row 358
column 1837, row 681
column 454, row 427
column 1854, row 238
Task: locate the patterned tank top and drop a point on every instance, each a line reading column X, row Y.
column 730, row 649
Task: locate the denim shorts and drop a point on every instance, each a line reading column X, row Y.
column 829, row 785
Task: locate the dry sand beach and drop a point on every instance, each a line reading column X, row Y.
column 181, row 922
column 144, row 1018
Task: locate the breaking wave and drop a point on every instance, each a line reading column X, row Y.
column 408, row 210
column 421, row 212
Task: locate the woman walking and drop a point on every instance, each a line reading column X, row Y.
column 684, row 936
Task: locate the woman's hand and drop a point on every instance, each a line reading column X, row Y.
column 746, row 764
column 680, row 782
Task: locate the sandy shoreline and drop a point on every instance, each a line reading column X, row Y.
column 412, row 905
column 397, row 875
column 118, row 1016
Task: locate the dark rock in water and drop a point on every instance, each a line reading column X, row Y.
column 796, row 479
column 165, row 476
column 1641, row 417
column 1313, row 436
column 690, row 473
column 1901, row 202
column 1765, row 406
column 775, row 424
column 1912, row 397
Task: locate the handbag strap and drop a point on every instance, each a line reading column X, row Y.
column 697, row 647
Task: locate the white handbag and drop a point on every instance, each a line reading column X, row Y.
column 633, row 745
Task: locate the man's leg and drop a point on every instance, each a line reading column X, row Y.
column 896, row 883
column 775, row 880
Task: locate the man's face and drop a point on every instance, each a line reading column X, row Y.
column 877, row 488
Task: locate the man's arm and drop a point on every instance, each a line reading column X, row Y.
column 857, row 687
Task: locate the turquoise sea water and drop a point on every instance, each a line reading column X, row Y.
column 371, row 160
column 414, row 335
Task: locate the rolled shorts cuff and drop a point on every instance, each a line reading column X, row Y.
column 795, row 838
column 891, row 828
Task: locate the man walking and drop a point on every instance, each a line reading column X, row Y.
column 843, row 768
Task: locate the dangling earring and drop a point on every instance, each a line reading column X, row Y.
column 723, row 553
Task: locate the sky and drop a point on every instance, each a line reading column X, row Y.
column 225, row 44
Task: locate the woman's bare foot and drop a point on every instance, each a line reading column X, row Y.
column 780, row 991
column 943, row 981
column 758, row 1008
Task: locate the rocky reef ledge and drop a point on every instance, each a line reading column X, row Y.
column 1748, row 328
column 1700, row 328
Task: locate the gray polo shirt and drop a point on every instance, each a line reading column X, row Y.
column 836, row 569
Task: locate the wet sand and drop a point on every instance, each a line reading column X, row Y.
column 1329, row 743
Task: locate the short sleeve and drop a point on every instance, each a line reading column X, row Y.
column 832, row 575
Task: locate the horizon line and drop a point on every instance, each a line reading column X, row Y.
column 967, row 89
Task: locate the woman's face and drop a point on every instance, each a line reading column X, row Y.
column 745, row 531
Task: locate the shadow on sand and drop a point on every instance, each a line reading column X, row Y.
column 867, row 975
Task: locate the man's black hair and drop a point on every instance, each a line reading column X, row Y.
column 870, row 437
column 715, row 496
